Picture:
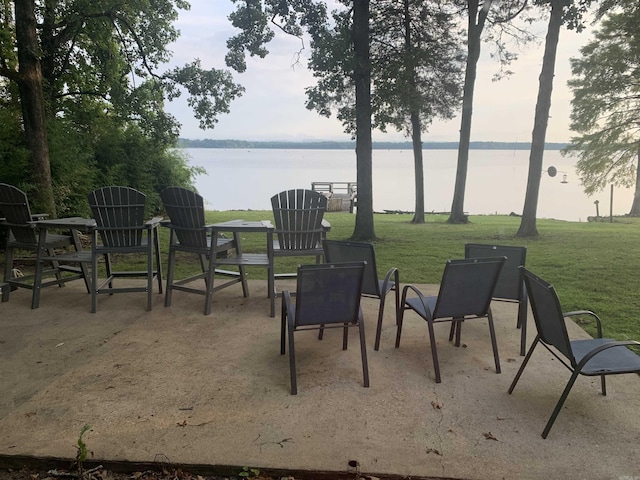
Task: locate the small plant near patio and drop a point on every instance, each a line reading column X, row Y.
column 249, row 472
column 82, row 451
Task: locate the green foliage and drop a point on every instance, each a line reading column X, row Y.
column 82, row 451
column 606, row 103
column 416, row 65
column 249, row 472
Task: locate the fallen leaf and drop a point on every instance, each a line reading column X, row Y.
column 490, row 436
column 436, row 405
column 433, row 450
column 511, row 360
column 182, row 424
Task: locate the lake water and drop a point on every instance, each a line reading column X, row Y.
column 245, row 179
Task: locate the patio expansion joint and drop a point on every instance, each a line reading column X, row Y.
column 437, row 406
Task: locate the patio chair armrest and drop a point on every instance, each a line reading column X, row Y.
column 393, row 272
column 576, row 313
column 420, row 296
column 601, row 348
column 287, row 303
column 326, row 225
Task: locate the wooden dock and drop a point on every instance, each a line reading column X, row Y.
column 341, row 196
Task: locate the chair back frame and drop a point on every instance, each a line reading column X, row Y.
column 298, row 218
column 462, row 289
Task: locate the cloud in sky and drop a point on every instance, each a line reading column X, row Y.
column 272, row 107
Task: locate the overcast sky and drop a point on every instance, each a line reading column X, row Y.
column 272, row 108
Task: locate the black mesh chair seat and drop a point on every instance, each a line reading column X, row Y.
column 345, row 251
column 510, row 287
column 591, row 357
column 327, row 296
column 466, row 291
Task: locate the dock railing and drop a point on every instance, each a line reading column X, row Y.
column 340, row 194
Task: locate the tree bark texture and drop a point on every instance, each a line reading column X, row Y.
column 364, row 229
column 33, row 105
column 474, row 34
column 635, row 206
column 416, row 137
column 543, row 106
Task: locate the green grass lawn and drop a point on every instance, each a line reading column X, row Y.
column 594, row 266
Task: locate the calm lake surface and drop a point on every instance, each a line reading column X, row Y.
column 245, row 179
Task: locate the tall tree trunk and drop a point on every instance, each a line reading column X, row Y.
column 416, row 136
column 474, row 34
column 362, row 76
column 416, row 124
column 543, row 106
column 635, row 206
column 33, row 105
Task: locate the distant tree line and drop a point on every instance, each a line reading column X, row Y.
column 330, row 145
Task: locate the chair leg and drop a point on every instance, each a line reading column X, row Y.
column 345, row 336
column 560, row 403
column 524, row 364
column 434, row 352
column 170, row 267
column 376, row 346
column 494, row 343
column 8, row 263
column 522, row 324
column 603, row 384
column 363, row 352
column 399, row 330
column 150, row 276
column 94, row 281
column 37, row 282
column 156, row 244
column 283, row 327
column 292, row 357
column 209, row 282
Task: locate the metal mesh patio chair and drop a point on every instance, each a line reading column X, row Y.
column 465, row 293
column 343, row 251
column 510, row 287
column 119, row 213
column 591, row 357
column 327, row 296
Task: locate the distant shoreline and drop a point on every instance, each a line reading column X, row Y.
column 333, row 145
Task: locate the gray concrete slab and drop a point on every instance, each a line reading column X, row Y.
column 194, row 389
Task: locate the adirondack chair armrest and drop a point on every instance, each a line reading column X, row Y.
column 155, row 221
column 326, row 225
column 39, row 216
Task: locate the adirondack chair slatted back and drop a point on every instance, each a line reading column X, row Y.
column 547, row 313
column 119, row 214
column 328, row 293
column 186, row 211
column 467, row 287
column 14, row 207
column 298, row 218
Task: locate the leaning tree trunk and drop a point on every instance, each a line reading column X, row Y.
column 416, row 137
column 473, row 54
column 362, row 76
column 541, row 120
column 635, row 206
column 33, row 105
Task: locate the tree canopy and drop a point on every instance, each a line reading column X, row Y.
column 606, row 105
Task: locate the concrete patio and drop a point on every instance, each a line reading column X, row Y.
column 175, row 385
